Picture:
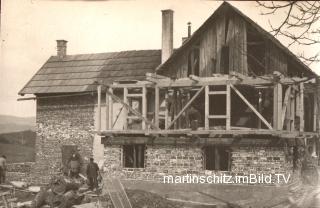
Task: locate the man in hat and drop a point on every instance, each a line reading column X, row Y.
column 92, row 174
column 74, row 164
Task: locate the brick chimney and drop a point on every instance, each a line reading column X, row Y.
column 61, row 48
column 167, row 34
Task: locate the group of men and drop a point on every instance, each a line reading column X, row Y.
column 92, row 170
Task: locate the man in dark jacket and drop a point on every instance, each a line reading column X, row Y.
column 92, row 174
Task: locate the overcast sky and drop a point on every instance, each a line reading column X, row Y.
column 29, row 29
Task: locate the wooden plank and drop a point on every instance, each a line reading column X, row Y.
column 107, row 112
column 285, row 105
column 315, row 111
column 206, row 108
column 157, row 106
column 125, row 100
column 293, row 112
column 217, row 92
column 186, row 106
column 144, row 106
column 217, row 116
column 110, row 90
column 228, row 108
column 301, row 109
column 99, row 108
column 277, row 106
column 166, row 113
column 251, row 107
column 135, row 95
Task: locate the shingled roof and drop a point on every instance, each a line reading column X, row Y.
column 78, row 73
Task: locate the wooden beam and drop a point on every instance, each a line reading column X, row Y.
column 301, row 109
column 251, row 107
column 125, row 100
column 132, row 110
column 107, row 111
column 206, row 108
column 99, row 108
column 144, row 106
column 186, row 106
column 228, row 107
column 156, row 106
column 223, row 80
column 315, row 110
column 166, row 114
column 285, row 105
column 110, row 90
column 293, row 111
column 277, row 106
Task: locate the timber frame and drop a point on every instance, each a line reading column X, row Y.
column 286, row 107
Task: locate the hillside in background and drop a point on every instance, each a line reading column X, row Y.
column 16, row 124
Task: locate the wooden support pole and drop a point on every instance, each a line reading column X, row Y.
column 251, row 107
column 157, row 106
column 285, row 105
column 110, row 90
column 186, row 106
column 99, row 108
column 206, row 108
column 315, row 111
column 107, row 112
column 144, row 106
column 166, row 115
column 293, row 111
column 301, row 109
column 228, row 108
column 277, row 106
column 125, row 100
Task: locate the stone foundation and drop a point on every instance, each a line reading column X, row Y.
column 182, row 160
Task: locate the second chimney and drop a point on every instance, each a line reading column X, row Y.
column 61, row 48
column 167, row 34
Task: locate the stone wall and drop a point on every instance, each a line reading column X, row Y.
column 183, row 160
column 19, row 171
column 62, row 121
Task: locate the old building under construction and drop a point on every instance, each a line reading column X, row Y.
column 231, row 99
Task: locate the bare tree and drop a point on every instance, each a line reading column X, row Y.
column 300, row 24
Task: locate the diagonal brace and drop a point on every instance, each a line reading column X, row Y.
column 251, row 107
column 185, row 107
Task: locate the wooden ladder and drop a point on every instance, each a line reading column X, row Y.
column 117, row 193
column 227, row 116
column 7, row 200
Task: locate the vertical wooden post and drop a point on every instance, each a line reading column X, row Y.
column 125, row 100
column 292, row 111
column 156, row 106
column 144, row 106
column 228, row 107
column 277, row 106
column 315, row 112
column 166, row 116
column 110, row 110
column 99, row 108
column 175, row 108
column 206, row 108
column 301, row 109
column 107, row 111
